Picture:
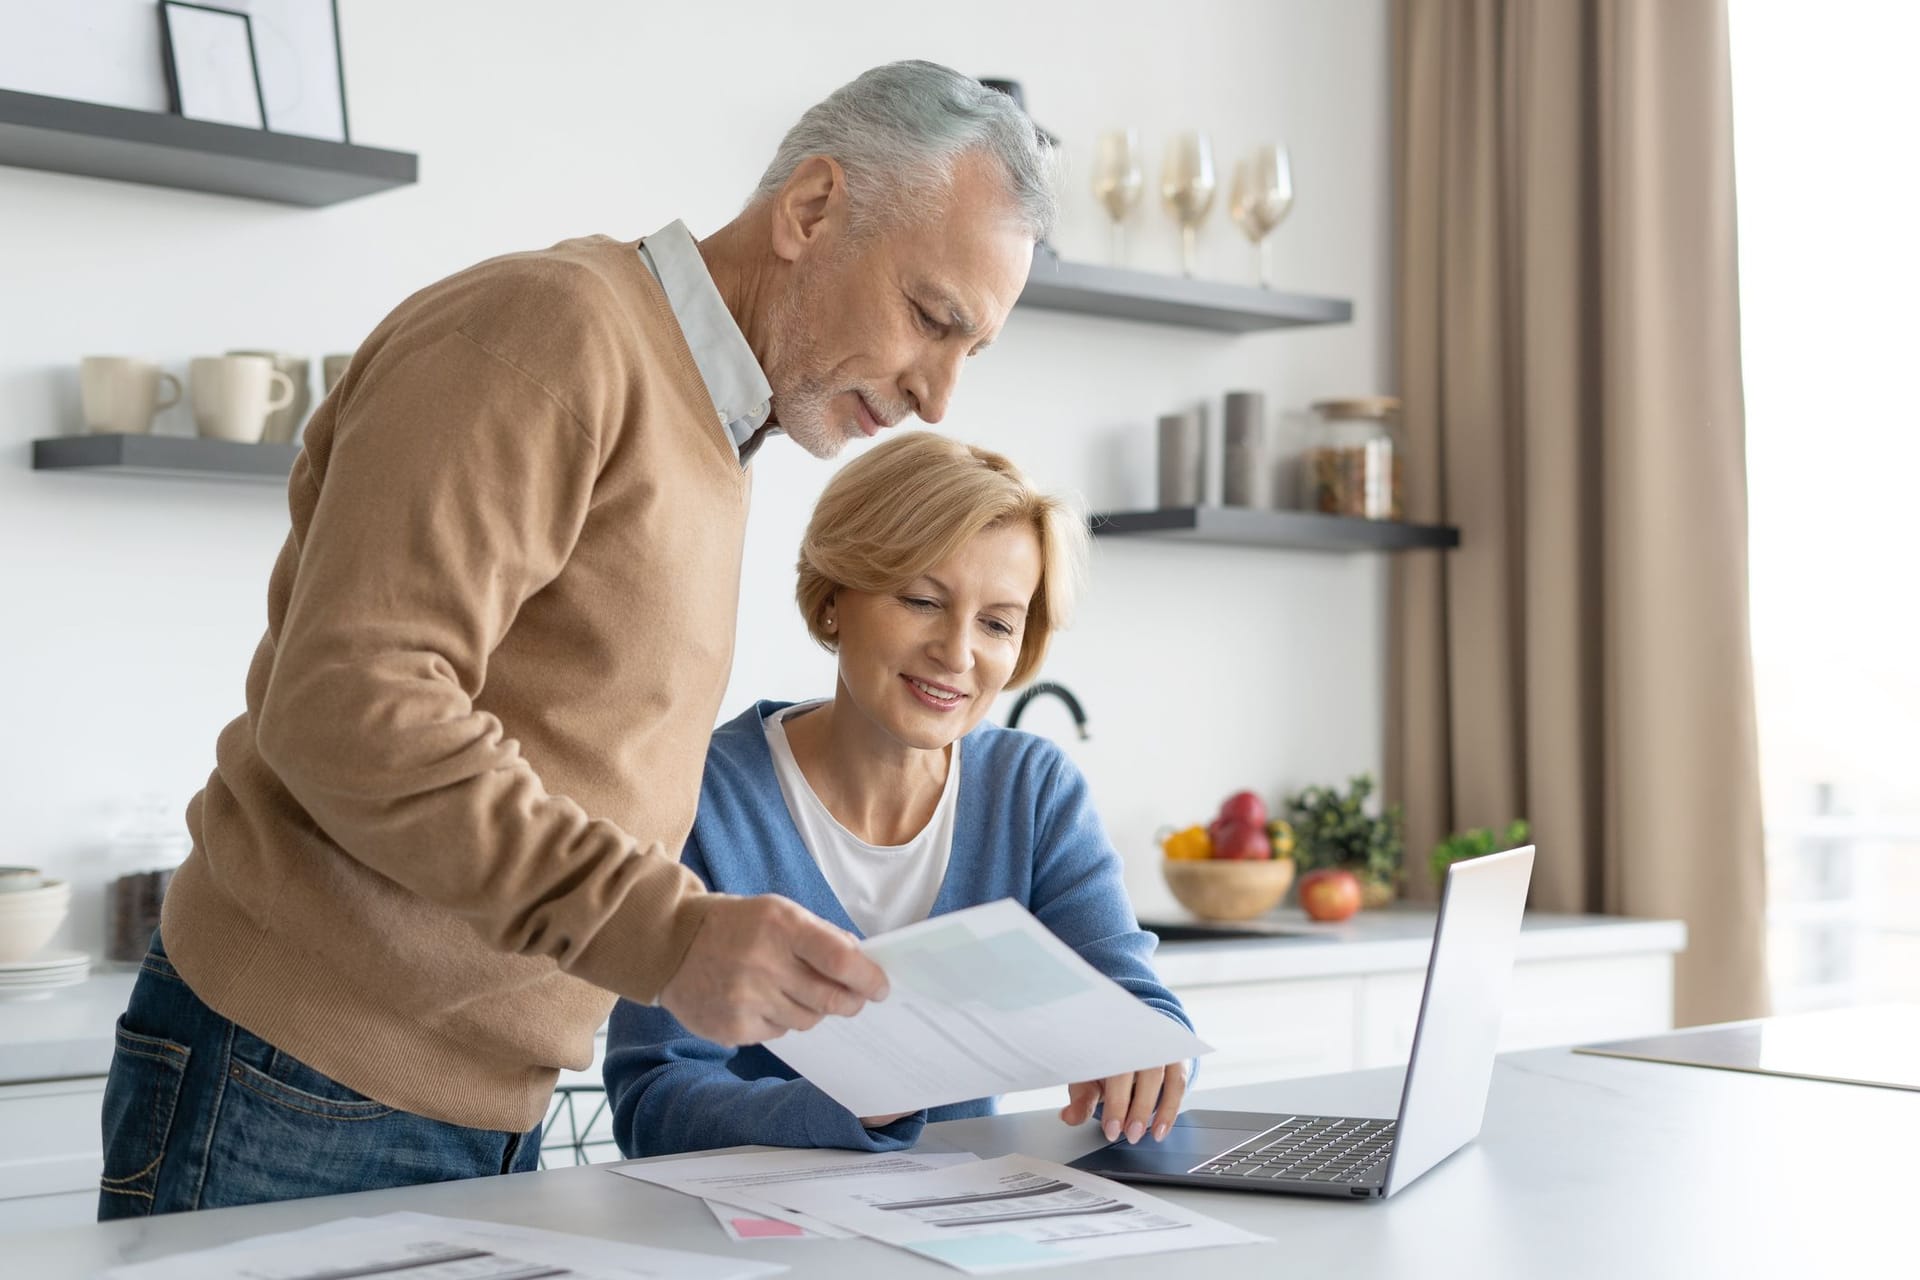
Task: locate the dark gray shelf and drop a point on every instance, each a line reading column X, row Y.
column 1252, row 527
column 162, row 150
column 174, row 457
column 1123, row 294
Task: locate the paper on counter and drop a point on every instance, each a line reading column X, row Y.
column 757, row 1180
column 419, row 1246
column 984, row 1001
column 1012, row 1214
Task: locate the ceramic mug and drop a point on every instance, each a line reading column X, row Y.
column 120, row 394
column 20, row 879
column 283, row 422
column 232, row 395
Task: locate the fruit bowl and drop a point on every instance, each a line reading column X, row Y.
column 1224, row 889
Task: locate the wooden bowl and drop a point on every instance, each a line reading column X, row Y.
column 1222, row 889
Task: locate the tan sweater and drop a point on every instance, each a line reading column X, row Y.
column 445, row 833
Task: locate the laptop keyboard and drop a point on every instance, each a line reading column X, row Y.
column 1331, row 1149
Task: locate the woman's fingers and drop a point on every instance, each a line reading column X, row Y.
column 1171, row 1094
column 1116, row 1094
column 1146, row 1096
column 1080, row 1100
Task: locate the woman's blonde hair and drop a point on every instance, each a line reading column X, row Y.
column 909, row 503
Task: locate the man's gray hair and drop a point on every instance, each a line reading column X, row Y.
column 896, row 132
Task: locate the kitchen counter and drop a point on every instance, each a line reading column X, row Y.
column 1396, row 938
column 1585, row 1167
column 65, row 1034
column 68, row 1034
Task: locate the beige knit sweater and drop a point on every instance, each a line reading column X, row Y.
column 445, row 833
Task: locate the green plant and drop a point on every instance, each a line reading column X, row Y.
column 1334, row 829
column 1475, row 843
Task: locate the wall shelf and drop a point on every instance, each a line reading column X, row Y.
column 173, row 457
column 151, row 147
column 1123, row 294
column 1256, row 527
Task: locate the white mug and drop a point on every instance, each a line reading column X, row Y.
column 120, row 394
column 232, row 395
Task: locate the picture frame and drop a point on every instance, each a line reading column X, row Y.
column 302, row 74
column 213, row 71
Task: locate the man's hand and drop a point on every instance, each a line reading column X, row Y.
column 1130, row 1103
column 881, row 1122
column 760, row 967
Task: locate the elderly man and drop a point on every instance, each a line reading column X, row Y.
column 444, row 836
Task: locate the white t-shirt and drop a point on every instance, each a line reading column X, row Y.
column 882, row 886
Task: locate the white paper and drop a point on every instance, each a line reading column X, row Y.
column 757, row 1180
column 1012, row 1214
column 984, row 1001
column 418, row 1246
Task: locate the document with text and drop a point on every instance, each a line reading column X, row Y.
column 1012, row 1214
column 756, row 1180
column 983, row 1001
column 418, row 1246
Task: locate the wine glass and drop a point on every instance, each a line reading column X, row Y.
column 1262, row 197
column 1117, row 180
column 1187, row 184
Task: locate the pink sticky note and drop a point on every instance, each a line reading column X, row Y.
column 761, row 1228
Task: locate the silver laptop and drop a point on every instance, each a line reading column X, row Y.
column 1441, row 1103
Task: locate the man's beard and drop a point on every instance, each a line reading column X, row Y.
column 805, row 386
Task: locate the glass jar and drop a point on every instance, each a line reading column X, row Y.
column 1353, row 461
column 141, row 856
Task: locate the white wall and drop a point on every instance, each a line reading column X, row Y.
column 129, row 608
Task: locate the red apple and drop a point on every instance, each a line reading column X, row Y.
column 1243, row 841
column 1331, row 893
column 1244, row 806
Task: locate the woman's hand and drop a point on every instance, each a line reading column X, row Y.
column 881, row 1122
column 1131, row 1103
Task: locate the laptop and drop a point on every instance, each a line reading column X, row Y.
column 1441, row 1102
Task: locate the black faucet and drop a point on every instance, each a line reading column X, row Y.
column 1059, row 691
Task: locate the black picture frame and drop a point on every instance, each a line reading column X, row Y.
column 170, row 56
column 303, row 76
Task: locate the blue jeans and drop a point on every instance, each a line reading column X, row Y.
column 201, row 1114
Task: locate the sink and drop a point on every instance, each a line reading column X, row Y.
column 1196, row 931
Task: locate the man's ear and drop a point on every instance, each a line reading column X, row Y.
column 810, row 208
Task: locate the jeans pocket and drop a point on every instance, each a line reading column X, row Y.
column 136, row 1116
column 280, row 1078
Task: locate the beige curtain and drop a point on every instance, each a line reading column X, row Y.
column 1570, row 362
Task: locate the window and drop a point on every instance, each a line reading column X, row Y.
column 1825, row 100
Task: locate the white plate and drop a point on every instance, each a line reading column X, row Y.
column 46, row 986
column 40, row 964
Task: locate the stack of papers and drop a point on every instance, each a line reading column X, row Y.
column 419, row 1246
column 983, row 1002
column 982, row 1217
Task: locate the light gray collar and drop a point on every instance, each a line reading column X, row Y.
column 742, row 396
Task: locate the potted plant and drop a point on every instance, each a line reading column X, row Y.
column 1473, row 844
column 1332, row 828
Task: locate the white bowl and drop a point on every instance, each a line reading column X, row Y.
column 20, row 879
column 50, row 893
column 22, row 935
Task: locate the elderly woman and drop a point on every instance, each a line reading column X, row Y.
column 937, row 575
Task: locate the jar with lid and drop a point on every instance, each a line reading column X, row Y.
column 1353, row 461
column 145, row 847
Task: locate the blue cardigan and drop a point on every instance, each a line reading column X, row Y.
column 1024, row 830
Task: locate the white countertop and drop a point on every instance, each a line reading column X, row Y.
column 1393, row 939
column 1585, row 1167
column 63, row 1034
column 69, row 1033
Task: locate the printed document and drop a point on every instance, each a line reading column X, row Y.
column 984, row 1001
column 418, row 1246
column 1011, row 1214
column 756, row 1180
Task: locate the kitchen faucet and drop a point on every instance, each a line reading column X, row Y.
column 1059, row 691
